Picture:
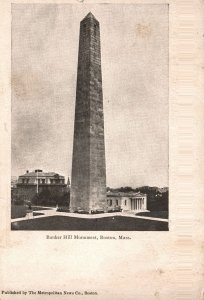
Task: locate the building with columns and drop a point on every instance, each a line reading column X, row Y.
column 127, row 201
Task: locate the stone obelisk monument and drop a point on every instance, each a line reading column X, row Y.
column 88, row 181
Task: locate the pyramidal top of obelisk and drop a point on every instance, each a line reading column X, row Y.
column 89, row 16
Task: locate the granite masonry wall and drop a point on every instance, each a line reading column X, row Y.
column 88, row 186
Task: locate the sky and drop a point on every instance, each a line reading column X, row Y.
column 134, row 55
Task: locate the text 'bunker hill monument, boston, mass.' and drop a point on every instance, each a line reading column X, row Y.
column 88, row 186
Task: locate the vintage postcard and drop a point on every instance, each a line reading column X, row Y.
column 95, row 122
column 89, row 120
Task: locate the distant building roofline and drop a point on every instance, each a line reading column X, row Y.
column 40, row 173
column 125, row 194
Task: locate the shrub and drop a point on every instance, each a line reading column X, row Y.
column 63, row 209
column 46, row 198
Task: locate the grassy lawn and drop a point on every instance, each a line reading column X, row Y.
column 18, row 211
column 102, row 224
column 155, row 214
column 37, row 214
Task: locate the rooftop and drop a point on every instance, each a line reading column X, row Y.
column 40, row 173
column 125, row 194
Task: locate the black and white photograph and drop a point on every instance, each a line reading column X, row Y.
column 101, row 164
column 90, row 117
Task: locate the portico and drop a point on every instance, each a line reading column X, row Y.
column 138, row 203
column 127, row 201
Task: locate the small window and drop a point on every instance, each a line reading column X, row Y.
column 27, row 180
column 110, row 202
column 116, row 202
column 43, row 181
column 23, row 180
column 125, row 202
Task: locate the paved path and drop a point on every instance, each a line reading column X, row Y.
column 52, row 212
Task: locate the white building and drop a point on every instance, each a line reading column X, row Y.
column 127, row 201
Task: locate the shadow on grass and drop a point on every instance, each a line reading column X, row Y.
column 118, row 223
column 155, row 214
